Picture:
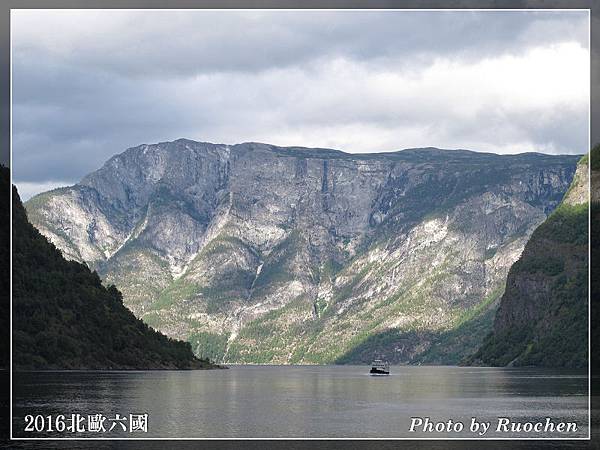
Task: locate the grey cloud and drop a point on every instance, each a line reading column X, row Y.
column 559, row 132
column 174, row 43
column 232, row 78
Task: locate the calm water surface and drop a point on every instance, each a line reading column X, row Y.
column 305, row 401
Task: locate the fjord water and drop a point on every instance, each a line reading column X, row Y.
column 305, row 401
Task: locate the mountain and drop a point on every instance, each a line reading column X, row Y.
column 5, row 199
column 542, row 319
column 594, row 159
column 265, row 254
column 64, row 318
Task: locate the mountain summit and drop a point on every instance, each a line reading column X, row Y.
column 258, row 253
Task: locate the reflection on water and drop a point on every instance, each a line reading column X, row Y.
column 305, row 401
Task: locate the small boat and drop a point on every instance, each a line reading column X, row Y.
column 379, row 367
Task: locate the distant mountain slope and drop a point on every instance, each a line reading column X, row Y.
column 258, row 253
column 63, row 318
column 542, row 319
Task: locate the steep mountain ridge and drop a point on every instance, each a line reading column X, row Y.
column 257, row 253
column 542, row 319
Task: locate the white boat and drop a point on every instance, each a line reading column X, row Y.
column 379, row 367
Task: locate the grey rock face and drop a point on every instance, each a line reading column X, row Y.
column 267, row 254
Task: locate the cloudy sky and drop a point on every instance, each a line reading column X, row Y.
column 89, row 84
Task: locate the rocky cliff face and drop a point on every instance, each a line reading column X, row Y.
column 257, row 253
column 543, row 316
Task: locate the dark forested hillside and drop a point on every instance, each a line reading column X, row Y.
column 63, row 317
column 4, row 267
column 595, row 283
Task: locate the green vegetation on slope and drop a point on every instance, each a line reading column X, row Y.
column 445, row 347
column 595, row 283
column 138, row 288
column 276, row 268
column 209, row 345
column 542, row 320
column 64, row 318
column 230, row 284
column 593, row 158
column 564, row 344
column 262, row 340
column 458, row 343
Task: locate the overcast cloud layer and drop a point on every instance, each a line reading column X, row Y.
column 89, row 84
